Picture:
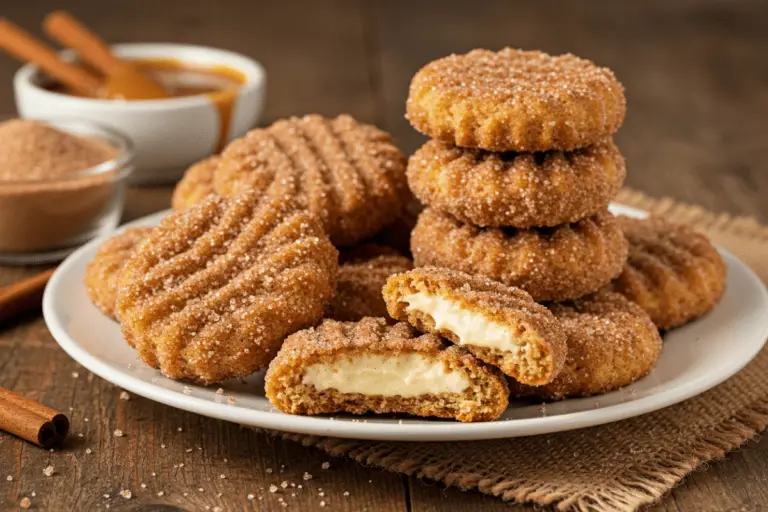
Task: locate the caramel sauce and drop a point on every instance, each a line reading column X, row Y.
column 219, row 83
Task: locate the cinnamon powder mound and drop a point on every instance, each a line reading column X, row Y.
column 31, row 150
column 45, row 202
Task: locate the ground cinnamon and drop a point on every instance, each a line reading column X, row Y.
column 30, row 420
column 46, row 201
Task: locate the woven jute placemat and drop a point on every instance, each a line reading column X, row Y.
column 618, row 466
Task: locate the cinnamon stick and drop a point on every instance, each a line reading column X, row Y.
column 18, row 43
column 23, row 296
column 31, row 420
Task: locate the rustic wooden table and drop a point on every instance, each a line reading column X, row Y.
column 697, row 86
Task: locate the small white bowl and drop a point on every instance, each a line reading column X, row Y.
column 168, row 135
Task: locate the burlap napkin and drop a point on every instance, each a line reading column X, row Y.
column 619, row 466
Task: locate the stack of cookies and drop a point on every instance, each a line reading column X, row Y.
column 520, row 170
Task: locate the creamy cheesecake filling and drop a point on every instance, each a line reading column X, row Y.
column 471, row 327
column 405, row 375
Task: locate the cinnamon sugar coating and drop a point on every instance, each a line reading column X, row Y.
column 516, row 189
column 673, row 272
column 101, row 273
column 350, row 175
column 515, row 100
column 541, row 351
column 611, row 343
column 213, row 291
column 560, row 263
column 196, row 184
column 484, row 400
column 358, row 290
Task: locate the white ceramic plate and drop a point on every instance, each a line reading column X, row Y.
column 695, row 358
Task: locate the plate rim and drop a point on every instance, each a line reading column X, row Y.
column 437, row 431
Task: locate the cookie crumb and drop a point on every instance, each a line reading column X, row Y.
column 25, row 503
column 118, row 433
column 325, row 465
column 127, row 494
column 307, row 476
column 273, row 488
column 124, row 396
column 48, row 471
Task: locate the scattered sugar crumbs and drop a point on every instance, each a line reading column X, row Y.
column 25, row 503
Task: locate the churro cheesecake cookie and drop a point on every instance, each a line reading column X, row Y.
column 559, row 263
column 516, row 100
column 673, row 272
column 358, row 290
column 611, row 343
column 212, row 292
column 516, row 189
column 349, row 175
column 370, row 366
column 196, row 184
column 500, row 325
column 101, row 273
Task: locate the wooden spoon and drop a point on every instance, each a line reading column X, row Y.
column 18, row 43
column 124, row 80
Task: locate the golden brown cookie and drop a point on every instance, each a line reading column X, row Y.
column 673, row 272
column 516, row 189
column 196, row 184
column 213, row 291
column 350, row 175
column 101, row 274
column 559, row 263
column 358, row 290
column 515, row 100
column 370, row 366
column 499, row 324
column 611, row 343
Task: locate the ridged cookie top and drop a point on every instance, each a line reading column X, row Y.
column 349, row 175
column 515, row 100
column 559, row 263
column 516, row 189
column 196, row 184
column 212, row 292
column 672, row 272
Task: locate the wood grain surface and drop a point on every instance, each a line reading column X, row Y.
column 697, row 89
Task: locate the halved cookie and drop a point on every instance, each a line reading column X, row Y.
column 370, row 366
column 498, row 324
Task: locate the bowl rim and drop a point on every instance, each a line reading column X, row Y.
column 251, row 68
column 122, row 163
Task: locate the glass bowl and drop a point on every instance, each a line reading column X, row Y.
column 43, row 220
